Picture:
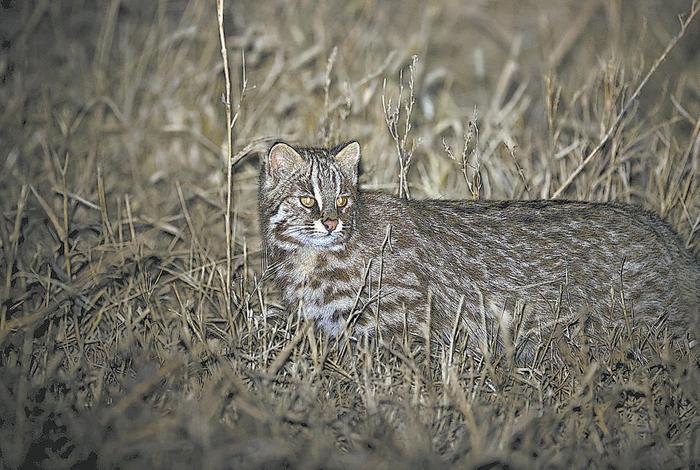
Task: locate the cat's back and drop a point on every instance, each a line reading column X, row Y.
column 610, row 226
column 532, row 241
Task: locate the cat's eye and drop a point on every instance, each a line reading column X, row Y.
column 307, row 201
column 342, row 201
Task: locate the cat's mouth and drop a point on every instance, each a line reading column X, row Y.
column 323, row 237
column 327, row 238
column 318, row 236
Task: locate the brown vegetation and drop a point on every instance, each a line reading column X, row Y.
column 121, row 344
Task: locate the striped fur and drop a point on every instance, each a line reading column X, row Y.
column 519, row 266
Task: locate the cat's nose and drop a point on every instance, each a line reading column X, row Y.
column 330, row 224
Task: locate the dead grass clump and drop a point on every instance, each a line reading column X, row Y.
column 137, row 326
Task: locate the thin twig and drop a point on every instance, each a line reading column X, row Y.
column 613, row 128
column 229, row 153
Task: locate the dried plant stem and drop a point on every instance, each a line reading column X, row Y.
column 392, row 117
column 229, row 155
column 695, row 7
column 10, row 251
column 66, row 228
column 326, row 127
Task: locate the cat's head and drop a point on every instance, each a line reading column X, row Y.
column 308, row 196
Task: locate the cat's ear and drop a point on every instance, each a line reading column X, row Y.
column 349, row 158
column 282, row 159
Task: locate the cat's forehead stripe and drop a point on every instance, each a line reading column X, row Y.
column 323, row 174
column 337, row 180
column 315, row 184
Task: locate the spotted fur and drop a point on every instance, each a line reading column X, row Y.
column 498, row 265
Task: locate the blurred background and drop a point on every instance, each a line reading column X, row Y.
column 113, row 191
column 135, row 89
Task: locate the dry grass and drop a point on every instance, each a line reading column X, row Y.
column 120, row 342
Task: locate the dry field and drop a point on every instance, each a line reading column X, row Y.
column 134, row 333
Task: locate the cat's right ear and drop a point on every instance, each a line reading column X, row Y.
column 282, row 159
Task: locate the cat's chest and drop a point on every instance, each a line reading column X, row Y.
column 302, row 269
column 319, row 284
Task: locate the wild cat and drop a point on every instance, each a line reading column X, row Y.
column 377, row 264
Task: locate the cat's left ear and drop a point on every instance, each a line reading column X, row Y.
column 349, row 158
column 282, row 159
